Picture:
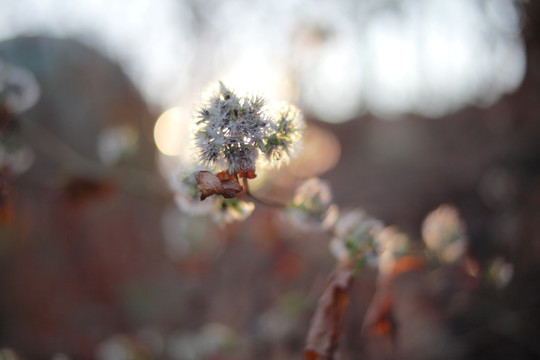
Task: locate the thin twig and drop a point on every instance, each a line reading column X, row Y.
column 259, row 200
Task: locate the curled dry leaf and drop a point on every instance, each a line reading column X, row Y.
column 225, row 175
column 379, row 319
column 325, row 329
column 209, row 184
column 408, row 263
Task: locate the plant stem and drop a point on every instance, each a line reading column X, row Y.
column 259, row 200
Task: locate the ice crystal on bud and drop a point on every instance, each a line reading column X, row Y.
column 287, row 130
column 312, row 205
column 233, row 131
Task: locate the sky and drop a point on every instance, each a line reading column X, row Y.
column 336, row 59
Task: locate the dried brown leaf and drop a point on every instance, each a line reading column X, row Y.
column 407, row 264
column 379, row 319
column 225, row 175
column 209, row 185
column 230, row 188
column 325, row 329
column 248, row 174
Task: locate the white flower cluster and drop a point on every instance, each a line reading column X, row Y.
column 232, row 132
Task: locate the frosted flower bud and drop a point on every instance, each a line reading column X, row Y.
column 232, row 132
column 312, row 205
column 391, row 245
column 285, row 140
column 357, row 232
column 229, row 210
column 444, row 234
column 500, row 272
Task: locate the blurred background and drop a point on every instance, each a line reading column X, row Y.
column 410, row 104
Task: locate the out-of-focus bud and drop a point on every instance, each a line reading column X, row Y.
column 444, row 234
